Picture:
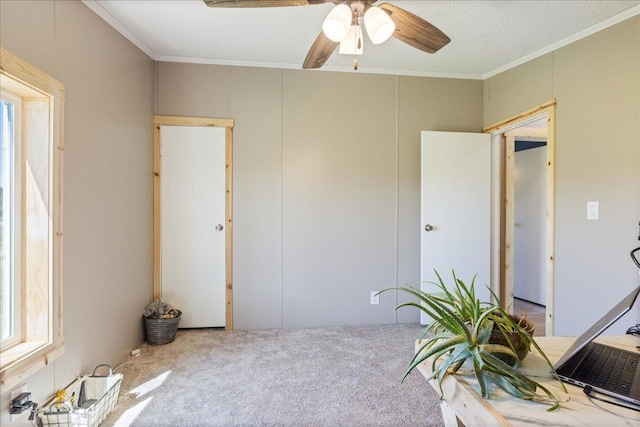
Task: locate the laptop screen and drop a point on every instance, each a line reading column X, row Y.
column 607, row 320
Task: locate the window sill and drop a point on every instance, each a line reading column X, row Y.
column 18, row 351
column 23, row 360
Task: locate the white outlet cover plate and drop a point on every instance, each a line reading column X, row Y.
column 375, row 299
column 593, row 210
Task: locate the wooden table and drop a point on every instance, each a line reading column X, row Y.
column 463, row 403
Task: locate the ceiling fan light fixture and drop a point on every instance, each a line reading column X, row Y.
column 379, row 25
column 352, row 44
column 337, row 24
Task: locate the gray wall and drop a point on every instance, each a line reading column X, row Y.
column 596, row 82
column 108, row 196
column 326, row 183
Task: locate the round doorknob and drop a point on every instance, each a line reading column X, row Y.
column 219, row 227
column 428, row 227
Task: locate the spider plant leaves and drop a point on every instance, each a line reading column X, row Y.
column 497, row 349
column 421, row 356
column 477, row 358
column 513, row 387
column 429, row 343
column 441, row 316
column 456, row 366
column 451, row 364
column 481, row 380
column 551, row 398
column 484, row 326
column 507, row 371
column 462, row 299
column 462, row 329
column 510, row 388
column 519, row 385
column 438, row 311
column 454, row 358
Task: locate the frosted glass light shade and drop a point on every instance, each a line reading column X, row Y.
column 337, row 23
column 350, row 45
column 378, row 24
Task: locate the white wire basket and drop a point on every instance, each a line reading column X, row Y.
column 90, row 400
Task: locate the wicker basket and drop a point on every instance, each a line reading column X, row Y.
column 97, row 398
column 161, row 331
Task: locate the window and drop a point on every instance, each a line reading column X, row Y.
column 31, row 106
column 10, row 108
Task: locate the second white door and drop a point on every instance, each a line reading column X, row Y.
column 456, row 209
column 193, row 220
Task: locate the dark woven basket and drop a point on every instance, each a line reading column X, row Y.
column 161, row 331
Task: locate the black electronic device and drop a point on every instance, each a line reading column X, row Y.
column 634, row 257
column 21, row 403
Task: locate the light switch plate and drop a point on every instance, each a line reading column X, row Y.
column 593, row 211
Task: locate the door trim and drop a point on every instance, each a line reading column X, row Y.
column 505, row 285
column 228, row 124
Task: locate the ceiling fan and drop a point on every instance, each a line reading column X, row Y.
column 342, row 26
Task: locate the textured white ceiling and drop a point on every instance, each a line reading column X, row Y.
column 487, row 36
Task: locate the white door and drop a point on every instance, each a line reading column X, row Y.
column 456, row 210
column 193, row 219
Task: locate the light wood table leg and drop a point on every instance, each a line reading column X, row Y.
column 449, row 416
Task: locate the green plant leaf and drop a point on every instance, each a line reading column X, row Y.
column 506, row 370
column 481, row 380
column 461, row 328
column 443, row 368
column 551, row 397
column 459, row 352
column 440, row 312
column 510, row 388
column 477, row 358
column 552, row 369
column 429, row 344
column 444, row 345
column 484, row 326
column 458, row 364
column 498, row 348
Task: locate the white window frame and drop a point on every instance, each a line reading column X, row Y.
column 41, row 331
column 13, row 227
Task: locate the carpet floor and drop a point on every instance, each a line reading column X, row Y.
column 336, row 376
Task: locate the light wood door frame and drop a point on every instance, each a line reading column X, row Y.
column 506, row 129
column 228, row 124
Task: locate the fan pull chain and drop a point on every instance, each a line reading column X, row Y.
column 358, row 42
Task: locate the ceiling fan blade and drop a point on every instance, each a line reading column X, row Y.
column 263, row 3
column 414, row 30
column 320, row 51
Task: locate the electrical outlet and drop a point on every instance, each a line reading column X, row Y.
column 375, row 299
column 15, row 393
column 593, row 210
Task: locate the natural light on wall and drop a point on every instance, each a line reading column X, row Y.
column 31, row 107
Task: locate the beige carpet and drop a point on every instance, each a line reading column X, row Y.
column 338, row 376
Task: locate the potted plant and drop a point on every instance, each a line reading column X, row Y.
column 462, row 329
